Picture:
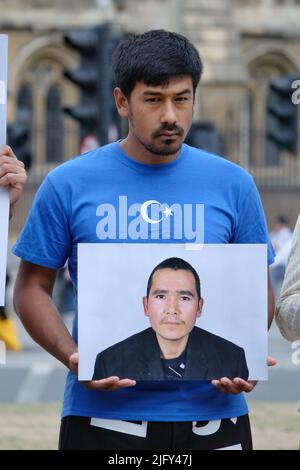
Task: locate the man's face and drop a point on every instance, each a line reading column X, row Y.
column 173, row 304
column 160, row 116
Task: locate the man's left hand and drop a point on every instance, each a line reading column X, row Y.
column 12, row 174
column 238, row 385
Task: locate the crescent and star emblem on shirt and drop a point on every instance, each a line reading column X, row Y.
column 144, row 211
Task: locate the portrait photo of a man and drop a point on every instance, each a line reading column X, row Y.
column 172, row 348
column 153, row 312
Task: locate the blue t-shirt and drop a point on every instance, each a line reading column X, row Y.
column 73, row 205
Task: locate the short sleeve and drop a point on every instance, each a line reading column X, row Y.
column 251, row 226
column 45, row 239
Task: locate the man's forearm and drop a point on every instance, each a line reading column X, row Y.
column 43, row 322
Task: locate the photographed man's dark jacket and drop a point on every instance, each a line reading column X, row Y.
column 138, row 357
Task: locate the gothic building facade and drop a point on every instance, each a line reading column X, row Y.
column 244, row 45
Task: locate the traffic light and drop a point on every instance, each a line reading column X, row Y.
column 19, row 139
column 94, row 79
column 204, row 135
column 282, row 115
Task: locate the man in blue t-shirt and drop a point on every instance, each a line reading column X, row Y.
column 111, row 195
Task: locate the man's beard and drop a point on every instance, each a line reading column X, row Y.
column 166, row 148
column 162, row 151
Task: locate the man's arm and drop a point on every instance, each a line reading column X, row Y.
column 238, row 384
column 12, row 175
column 38, row 313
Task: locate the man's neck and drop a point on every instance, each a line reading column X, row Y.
column 171, row 349
column 134, row 149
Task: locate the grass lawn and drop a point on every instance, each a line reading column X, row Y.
column 274, row 426
column 29, row 426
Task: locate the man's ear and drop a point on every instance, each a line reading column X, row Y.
column 121, row 102
column 200, row 307
column 145, row 304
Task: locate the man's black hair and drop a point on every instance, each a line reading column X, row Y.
column 175, row 264
column 153, row 58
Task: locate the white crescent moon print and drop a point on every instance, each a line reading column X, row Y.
column 144, row 212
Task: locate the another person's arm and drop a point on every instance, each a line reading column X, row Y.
column 12, row 175
column 287, row 313
column 34, row 305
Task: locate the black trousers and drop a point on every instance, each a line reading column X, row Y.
column 78, row 433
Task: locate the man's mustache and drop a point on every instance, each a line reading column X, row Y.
column 173, row 319
column 172, row 128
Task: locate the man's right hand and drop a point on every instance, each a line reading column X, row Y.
column 238, row 385
column 105, row 385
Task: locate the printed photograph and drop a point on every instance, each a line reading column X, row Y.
column 172, row 312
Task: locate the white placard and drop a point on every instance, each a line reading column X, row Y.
column 112, row 280
column 4, row 197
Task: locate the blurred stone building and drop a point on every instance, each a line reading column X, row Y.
column 244, row 44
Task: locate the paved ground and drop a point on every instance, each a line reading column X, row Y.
column 34, row 376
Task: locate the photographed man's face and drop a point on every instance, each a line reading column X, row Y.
column 173, row 304
column 160, row 116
